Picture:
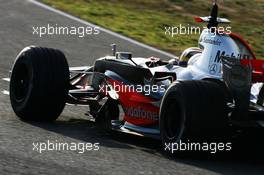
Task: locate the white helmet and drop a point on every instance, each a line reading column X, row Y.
column 188, row 53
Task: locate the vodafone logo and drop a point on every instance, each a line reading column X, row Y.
column 141, row 113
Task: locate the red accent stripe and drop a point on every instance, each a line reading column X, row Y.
column 258, row 69
column 236, row 36
column 198, row 19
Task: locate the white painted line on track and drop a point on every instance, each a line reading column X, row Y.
column 5, row 92
column 102, row 29
column 6, row 79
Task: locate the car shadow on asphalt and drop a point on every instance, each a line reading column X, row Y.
column 247, row 149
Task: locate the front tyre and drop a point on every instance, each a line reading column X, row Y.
column 39, row 84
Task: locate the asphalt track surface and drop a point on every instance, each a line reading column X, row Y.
column 118, row 154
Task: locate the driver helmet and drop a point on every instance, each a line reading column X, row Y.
column 188, row 53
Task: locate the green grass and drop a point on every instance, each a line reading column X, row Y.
column 144, row 20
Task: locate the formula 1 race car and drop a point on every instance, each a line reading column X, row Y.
column 209, row 89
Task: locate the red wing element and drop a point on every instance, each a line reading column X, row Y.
column 198, row 19
column 208, row 18
column 257, row 69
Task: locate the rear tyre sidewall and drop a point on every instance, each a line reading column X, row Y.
column 199, row 109
column 173, row 117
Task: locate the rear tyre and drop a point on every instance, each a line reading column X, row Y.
column 193, row 111
column 39, row 84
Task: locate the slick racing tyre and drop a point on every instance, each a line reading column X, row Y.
column 109, row 112
column 39, row 84
column 192, row 111
column 261, row 96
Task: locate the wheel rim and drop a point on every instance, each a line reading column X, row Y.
column 262, row 102
column 261, row 96
column 173, row 121
column 21, row 82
